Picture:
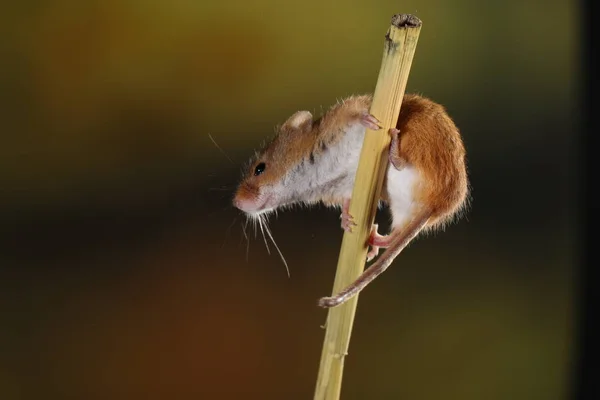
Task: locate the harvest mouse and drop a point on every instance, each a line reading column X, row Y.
column 308, row 161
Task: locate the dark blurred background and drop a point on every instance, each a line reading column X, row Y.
column 124, row 273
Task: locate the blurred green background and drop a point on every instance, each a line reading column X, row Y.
column 123, row 269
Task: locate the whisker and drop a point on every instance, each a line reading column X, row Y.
column 242, row 235
column 277, row 247
column 247, row 240
column 254, row 218
column 222, row 188
column 210, row 214
column 228, row 230
column 260, row 223
column 220, row 149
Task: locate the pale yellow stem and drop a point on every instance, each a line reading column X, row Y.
column 399, row 48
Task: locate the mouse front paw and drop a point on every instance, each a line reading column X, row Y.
column 347, row 219
column 369, row 121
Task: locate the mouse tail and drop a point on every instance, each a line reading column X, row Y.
column 398, row 243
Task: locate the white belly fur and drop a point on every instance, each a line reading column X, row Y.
column 401, row 186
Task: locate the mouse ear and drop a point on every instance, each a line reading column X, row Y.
column 300, row 119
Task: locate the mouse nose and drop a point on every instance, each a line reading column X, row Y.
column 238, row 203
column 242, row 203
column 248, row 199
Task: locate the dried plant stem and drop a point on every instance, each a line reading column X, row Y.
column 399, row 48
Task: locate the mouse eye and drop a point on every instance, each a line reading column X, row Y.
column 259, row 169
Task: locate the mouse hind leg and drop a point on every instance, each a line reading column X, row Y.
column 400, row 192
column 401, row 178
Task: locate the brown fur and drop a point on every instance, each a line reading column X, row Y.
column 429, row 140
column 301, row 138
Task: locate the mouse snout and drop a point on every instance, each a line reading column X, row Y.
column 246, row 200
column 240, row 203
column 246, row 204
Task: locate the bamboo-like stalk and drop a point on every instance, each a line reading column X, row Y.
column 399, row 48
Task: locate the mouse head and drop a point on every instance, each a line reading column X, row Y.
column 268, row 180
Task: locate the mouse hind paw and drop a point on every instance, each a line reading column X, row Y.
column 395, row 158
column 376, row 241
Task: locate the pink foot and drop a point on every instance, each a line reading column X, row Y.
column 376, row 241
column 347, row 219
column 369, row 121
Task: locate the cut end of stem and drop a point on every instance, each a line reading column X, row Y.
column 406, row 20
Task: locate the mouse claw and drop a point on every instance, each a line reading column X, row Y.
column 347, row 219
column 369, row 121
column 372, row 253
column 347, row 222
